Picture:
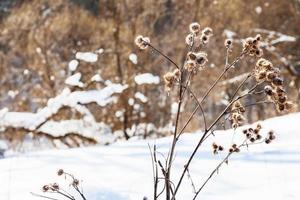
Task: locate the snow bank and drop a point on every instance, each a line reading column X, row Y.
column 67, row 98
column 123, row 170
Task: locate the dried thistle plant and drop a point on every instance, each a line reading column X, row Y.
column 55, row 188
column 179, row 80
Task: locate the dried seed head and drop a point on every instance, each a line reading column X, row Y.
column 264, row 64
column 215, row 146
column 220, row 148
column 204, row 39
column 191, row 56
column 271, row 132
column 277, row 81
column 271, row 75
column 267, row 141
column 280, row 107
column 169, row 76
column 201, row 58
column 258, row 37
column 228, row 43
column 45, row 188
column 169, row 79
column 236, row 114
column 215, row 151
column 190, row 65
column 55, row 186
column 207, row 31
column 289, row 105
column 259, row 53
column 75, row 182
column 261, row 75
column 176, row 73
column 280, row 90
column 282, row 99
column 234, row 125
column 195, row 27
column 272, row 137
column 268, row 90
column 142, row 42
column 252, row 139
column 258, row 137
column 60, row 172
column 189, row 39
column 258, row 126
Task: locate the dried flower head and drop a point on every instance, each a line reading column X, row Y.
column 60, row 172
column 265, row 71
column 189, row 39
column 228, row 43
column 201, row 58
column 217, row 148
column 207, row 31
column 237, row 117
column 195, row 27
column 252, row 46
column 267, row 141
column 204, row 39
column 190, row 65
column 142, row 42
column 191, row 56
column 75, row 182
column 45, row 188
column 176, row 73
column 54, row 187
column 170, row 78
column 234, row 148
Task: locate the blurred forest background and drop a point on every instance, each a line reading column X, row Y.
column 38, row 39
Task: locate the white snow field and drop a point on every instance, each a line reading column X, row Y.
column 123, row 170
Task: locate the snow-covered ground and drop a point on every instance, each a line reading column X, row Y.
column 123, row 171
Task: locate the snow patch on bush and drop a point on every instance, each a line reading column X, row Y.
column 87, row 56
column 146, row 78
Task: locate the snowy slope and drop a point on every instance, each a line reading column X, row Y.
column 123, row 171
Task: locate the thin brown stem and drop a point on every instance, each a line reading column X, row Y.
column 201, row 108
column 42, row 196
column 217, row 169
column 207, row 131
column 164, row 55
column 192, row 182
column 168, row 172
column 209, row 90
